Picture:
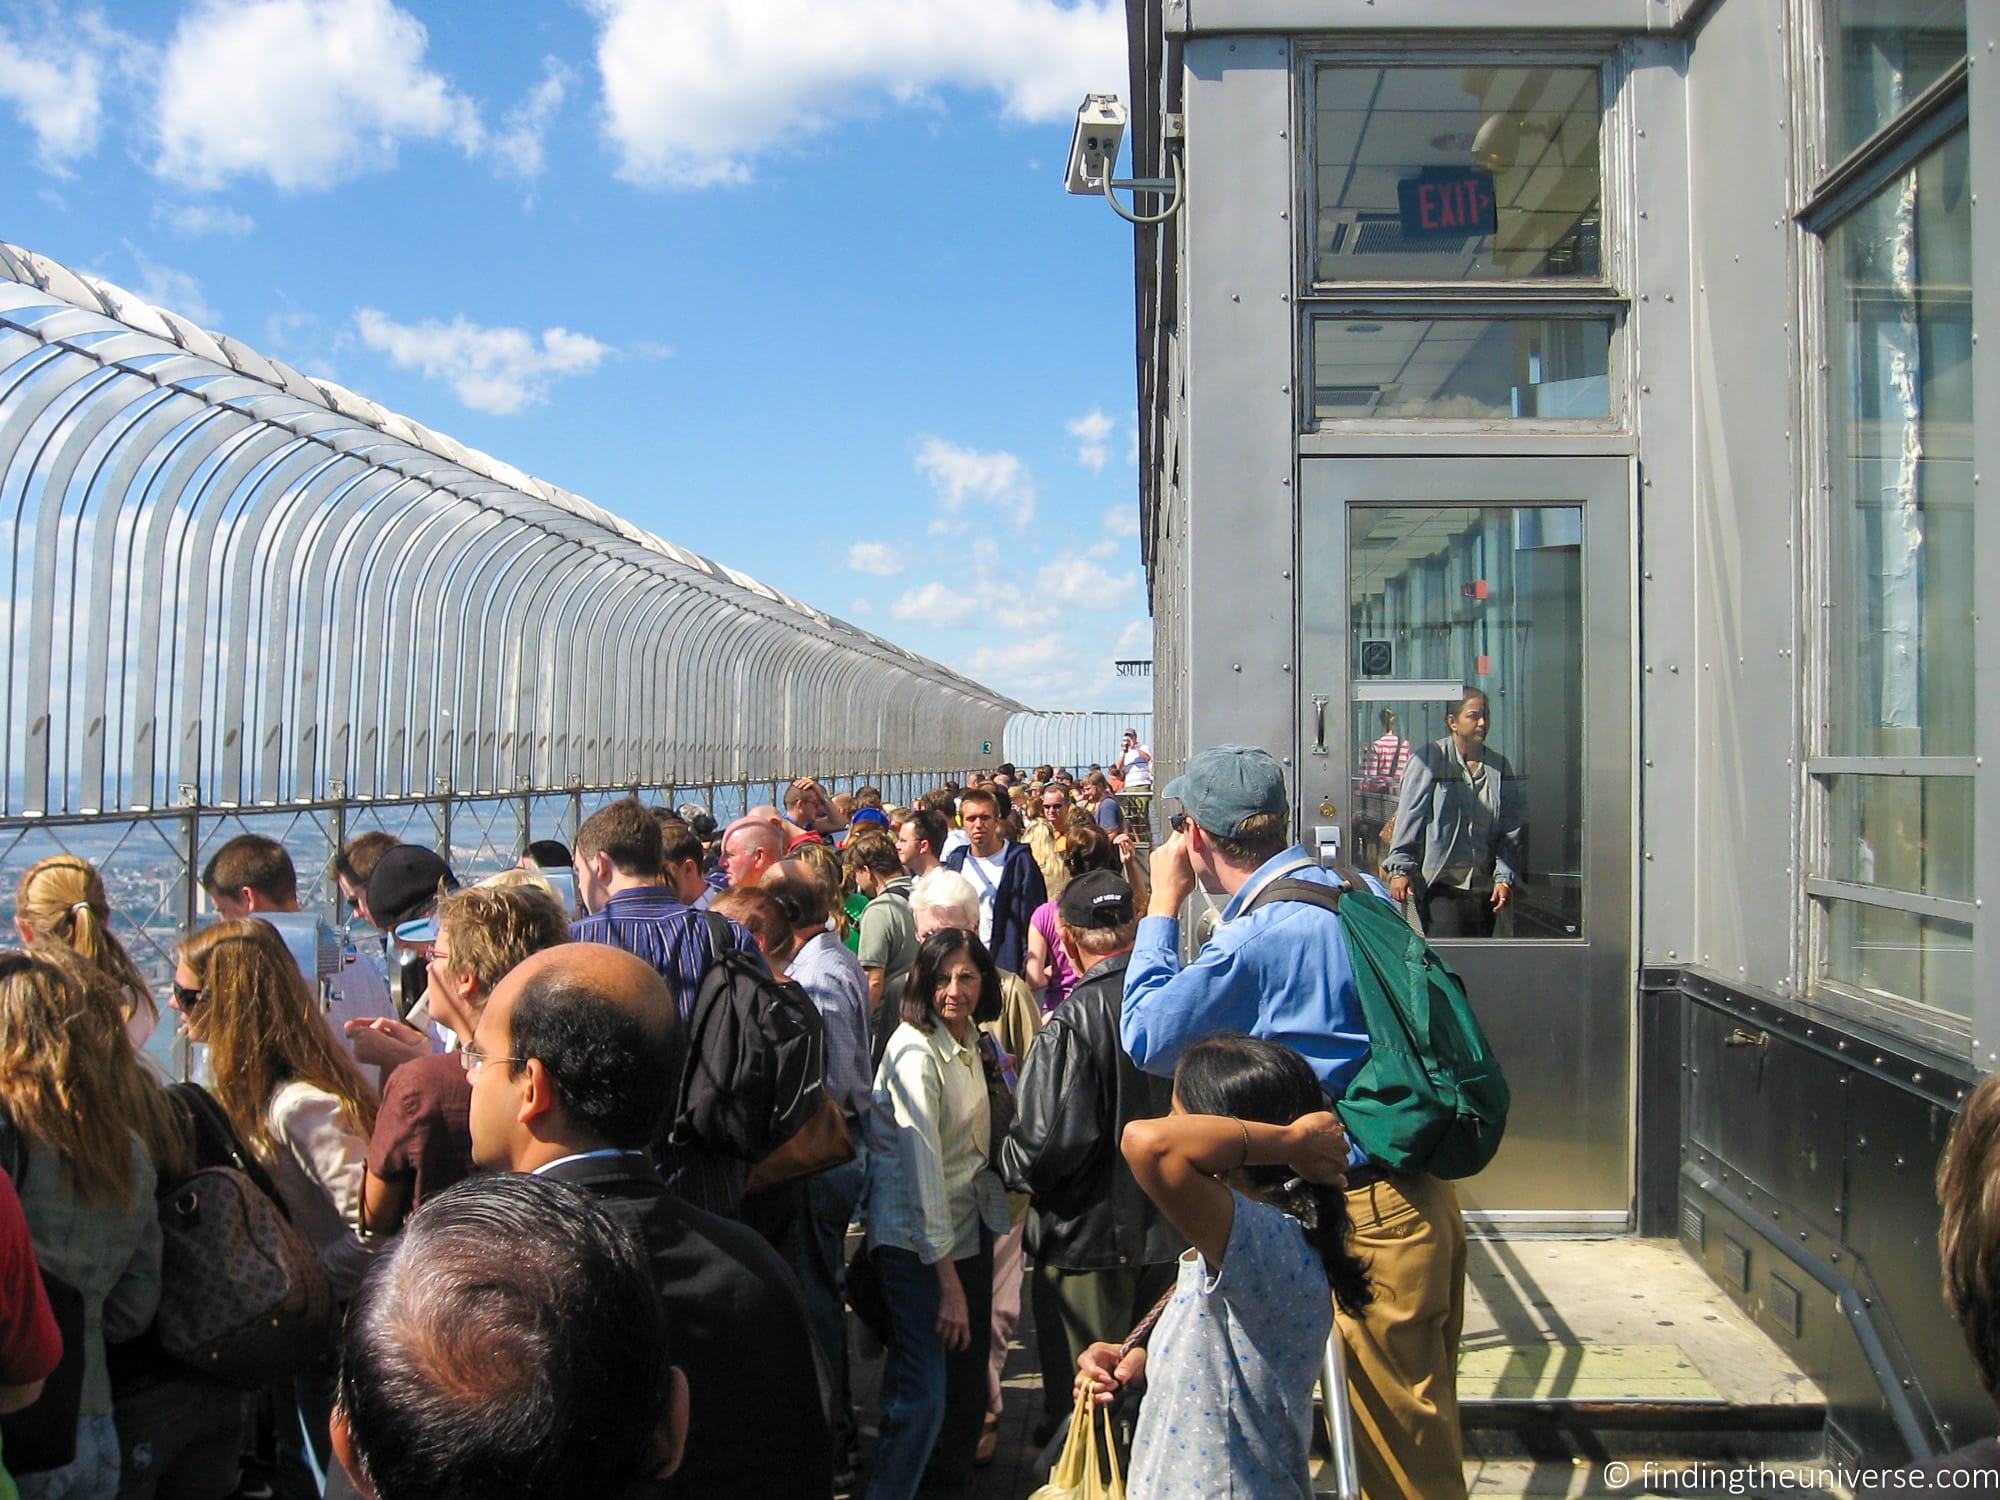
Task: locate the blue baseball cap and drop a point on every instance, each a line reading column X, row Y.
column 1228, row 785
column 864, row 815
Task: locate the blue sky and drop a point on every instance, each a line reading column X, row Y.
column 790, row 282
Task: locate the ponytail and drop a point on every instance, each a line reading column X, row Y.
column 62, row 899
column 1322, row 1214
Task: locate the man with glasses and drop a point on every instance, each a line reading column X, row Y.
column 572, row 1063
column 1005, row 875
column 1045, row 837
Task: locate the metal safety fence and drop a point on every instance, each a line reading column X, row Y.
column 233, row 586
column 1075, row 740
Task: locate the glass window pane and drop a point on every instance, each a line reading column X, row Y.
column 1455, row 173
column 1909, row 833
column 1899, row 314
column 1885, row 53
column 1489, row 597
column 1924, row 959
column 1461, row 367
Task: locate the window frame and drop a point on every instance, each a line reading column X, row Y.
column 1600, row 298
column 1834, row 191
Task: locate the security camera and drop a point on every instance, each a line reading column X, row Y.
column 1093, row 149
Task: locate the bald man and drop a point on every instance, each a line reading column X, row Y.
column 574, row 1063
column 750, row 846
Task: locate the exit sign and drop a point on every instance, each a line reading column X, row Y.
column 1447, row 202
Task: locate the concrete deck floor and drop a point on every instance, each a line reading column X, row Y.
column 1611, row 1318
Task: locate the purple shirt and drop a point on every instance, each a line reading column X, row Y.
column 1064, row 978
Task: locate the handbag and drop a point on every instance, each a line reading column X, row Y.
column 42, row 1436
column 1078, row 1473
column 999, row 1096
column 243, row 1297
column 823, row 1141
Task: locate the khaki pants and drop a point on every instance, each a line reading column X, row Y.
column 1402, row 1353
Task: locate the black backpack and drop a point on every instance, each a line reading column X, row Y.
column 756, row 1057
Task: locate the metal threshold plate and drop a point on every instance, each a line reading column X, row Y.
column 1640, row 1374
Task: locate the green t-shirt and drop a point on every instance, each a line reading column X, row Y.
column 887, row 931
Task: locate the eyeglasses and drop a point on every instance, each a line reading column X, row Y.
column 472, row 1059
column 1178, row 822
column 186, row 998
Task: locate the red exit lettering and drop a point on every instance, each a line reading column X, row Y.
column 1452, row 205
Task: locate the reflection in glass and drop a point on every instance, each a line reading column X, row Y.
column 1924, row 959
column 1489, row 597
column 1886, row 52
column 1899, row 310
column 1908, row 833
column 1460, row 367
column 1455, row 173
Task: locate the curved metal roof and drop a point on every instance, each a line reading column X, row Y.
column 234, row 584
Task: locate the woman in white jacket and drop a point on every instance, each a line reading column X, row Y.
column 292, row 1093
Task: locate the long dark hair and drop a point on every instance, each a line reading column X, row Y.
column 1252, row 1079
column 937, row 950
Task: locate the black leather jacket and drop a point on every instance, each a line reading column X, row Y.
column 1078, row 1090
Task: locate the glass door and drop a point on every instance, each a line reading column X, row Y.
column 1467, row 741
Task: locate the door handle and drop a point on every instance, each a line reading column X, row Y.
column 1320, row 701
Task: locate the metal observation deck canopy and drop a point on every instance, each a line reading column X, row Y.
column 236, row 583
column 234, row 589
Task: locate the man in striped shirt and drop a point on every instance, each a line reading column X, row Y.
column 619, row 857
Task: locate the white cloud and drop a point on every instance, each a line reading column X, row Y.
column 1137, row 636
column 52, row 71
column 879, row 558
column 1080, row 583
column 936, row 605
column 192, row 220
column 960, row 474
column 860, row 607
column 1090, row 432
column 497, row 370
column 695, row 91
column 304, row 93
column 517, row 145
column 1122, row 520
column 164, row 286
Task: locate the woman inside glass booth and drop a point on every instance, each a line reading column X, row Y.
column 1460, row 821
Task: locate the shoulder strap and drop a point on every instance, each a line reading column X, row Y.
column 1306, row 892
column 210, row 1117
column 719, row 937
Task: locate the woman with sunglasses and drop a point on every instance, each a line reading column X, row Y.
column 87, row 1137
column 422, row 1142
column 294, row 1097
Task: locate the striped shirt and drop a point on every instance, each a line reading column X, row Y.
column 832, row 976
column 930, row 1187
column 651, row 923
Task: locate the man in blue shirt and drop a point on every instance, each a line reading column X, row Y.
column 1282, row 973
column 619, row 865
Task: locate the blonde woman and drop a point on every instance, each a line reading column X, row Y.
column 62, row 900
column 80, row 1112
column 290, row 1090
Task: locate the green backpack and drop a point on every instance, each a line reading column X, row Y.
column 1430, row 1096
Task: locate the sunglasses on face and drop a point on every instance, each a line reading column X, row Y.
column 186, row 998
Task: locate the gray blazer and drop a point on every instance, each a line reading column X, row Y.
column 1444, row 822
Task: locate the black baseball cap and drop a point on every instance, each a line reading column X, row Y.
column 405, row 885
column 1096, row 898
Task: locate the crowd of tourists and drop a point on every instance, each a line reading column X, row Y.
column 567, row 1182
